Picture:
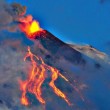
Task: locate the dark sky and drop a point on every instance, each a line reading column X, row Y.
column 78, row 21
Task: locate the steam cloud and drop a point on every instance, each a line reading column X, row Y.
column 11, row 15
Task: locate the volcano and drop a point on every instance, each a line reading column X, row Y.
column 84, row 81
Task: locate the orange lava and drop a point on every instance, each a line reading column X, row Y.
column 30, row 28
column 33, row 84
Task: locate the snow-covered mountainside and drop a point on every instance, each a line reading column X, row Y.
column 92, row 52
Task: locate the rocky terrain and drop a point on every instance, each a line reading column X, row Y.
column 84, row 66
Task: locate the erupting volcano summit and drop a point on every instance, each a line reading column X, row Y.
column 31, row 28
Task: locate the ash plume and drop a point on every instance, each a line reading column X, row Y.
column 11, row 15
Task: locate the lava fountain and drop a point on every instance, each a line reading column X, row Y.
column 31, row 28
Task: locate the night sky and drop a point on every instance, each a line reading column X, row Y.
column 74, row 21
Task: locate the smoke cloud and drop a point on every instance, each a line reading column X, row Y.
column 11, row 15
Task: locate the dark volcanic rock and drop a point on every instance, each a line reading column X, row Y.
column 58, row 48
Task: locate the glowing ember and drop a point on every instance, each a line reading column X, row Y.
column 36, row 78
column 30, row 28
column 34, row 27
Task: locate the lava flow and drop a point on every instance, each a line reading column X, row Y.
column 36, row 79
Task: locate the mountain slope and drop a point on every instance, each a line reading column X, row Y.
column 91, row 52
column 90, row 81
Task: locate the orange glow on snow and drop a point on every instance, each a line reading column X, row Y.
column 37, row 76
